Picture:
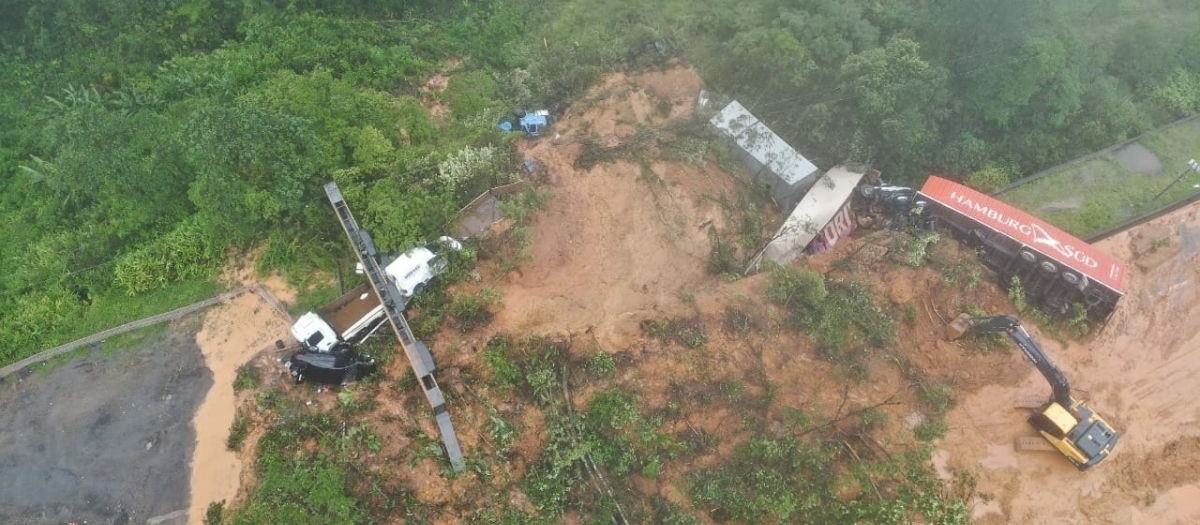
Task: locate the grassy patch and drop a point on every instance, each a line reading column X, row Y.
column 322, row 293
column 983, row 342
column 311, row 468
column 722, row 257
column 687, row 332
column 739, row 320
column 238, row 431
column 114, row 345
column 114, row 309
column 247, row 378
column 601, row 365
column 592, row 449
column 472, row 310
column 783, row 479
column 499, row 356
column 135, row 338
column 1086, row 197
column 916, row 247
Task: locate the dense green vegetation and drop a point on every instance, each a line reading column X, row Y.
column 141, row 143
column 138, row 143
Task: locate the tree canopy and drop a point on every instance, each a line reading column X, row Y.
column 138, row 142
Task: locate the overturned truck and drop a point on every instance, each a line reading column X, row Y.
column 1054, row 269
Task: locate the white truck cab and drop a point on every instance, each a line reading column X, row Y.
column 357, row 314
column 314, row 333
column 413, row 269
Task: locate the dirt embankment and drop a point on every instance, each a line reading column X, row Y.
column 1141, row 372
column 616, row 244
column 624, row 240
column 627, row 241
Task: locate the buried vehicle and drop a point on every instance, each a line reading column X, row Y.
column 1053, row 269
column 330, row 368
column 532, row 123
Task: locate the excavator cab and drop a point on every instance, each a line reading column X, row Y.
column 1068, row 424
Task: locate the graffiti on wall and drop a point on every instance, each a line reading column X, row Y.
column 841, row 225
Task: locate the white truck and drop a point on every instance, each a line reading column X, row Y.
column 356, row 315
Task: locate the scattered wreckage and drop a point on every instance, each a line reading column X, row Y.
column 329, row 336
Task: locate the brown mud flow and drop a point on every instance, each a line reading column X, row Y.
column 1141, row 371
column 232, row 334
column 621, row 240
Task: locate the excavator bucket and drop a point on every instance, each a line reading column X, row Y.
column 958, row 327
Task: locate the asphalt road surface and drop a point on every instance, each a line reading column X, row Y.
column 105, row 437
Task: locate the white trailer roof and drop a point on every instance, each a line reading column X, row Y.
column 764, row 145
column 813, row 212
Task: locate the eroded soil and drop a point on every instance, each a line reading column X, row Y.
column 1141, row 371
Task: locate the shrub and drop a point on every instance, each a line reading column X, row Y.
column 790, row 285
column 939, row 398
column 247, row 377
column 238, row 431
column 1180, row 93
column 497, row 356
column 502, row 432
column 522, row 206
column 916, row 248
column 738, row 321
column 471, row 168
column 474, row 310
column 215, row 514
column 687, row 332
column 471, row 94
column 722, row 257
column 767, row 480
column 1016, row 294
column 185, row 252
column 601, row 365
column 930, row 429
column 842, row 317
column 989, row 179
column 1077, row 321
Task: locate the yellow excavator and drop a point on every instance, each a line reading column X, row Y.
column 1067, row 423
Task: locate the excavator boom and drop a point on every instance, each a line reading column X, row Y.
column 1059, row 385
column 1070, row 425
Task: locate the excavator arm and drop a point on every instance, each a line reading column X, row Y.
column 1060, row 387
column 1070, row 426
